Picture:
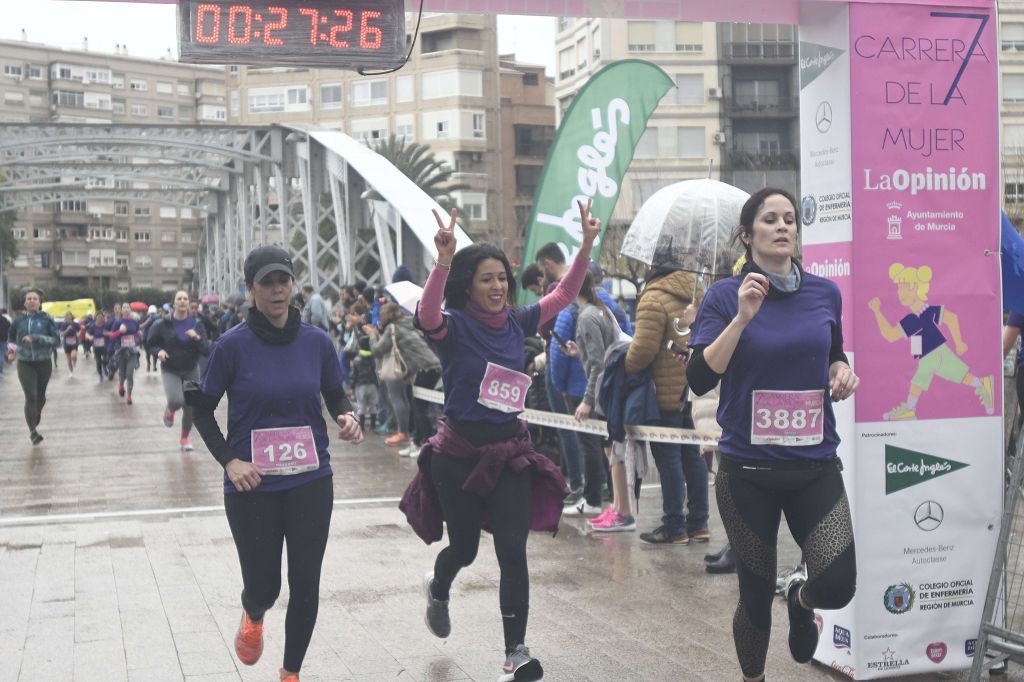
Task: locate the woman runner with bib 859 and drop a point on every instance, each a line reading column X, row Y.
column 481, row 463
column 773, row 336
column 278, row 480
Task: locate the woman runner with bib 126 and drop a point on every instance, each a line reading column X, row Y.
column 480, row 470
column 277, row 472
column 773, row 336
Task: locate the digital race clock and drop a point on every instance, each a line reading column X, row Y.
column 336, row 33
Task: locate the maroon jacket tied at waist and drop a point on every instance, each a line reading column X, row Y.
column 423, row 509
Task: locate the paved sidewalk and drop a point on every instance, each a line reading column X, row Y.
column 104, row 575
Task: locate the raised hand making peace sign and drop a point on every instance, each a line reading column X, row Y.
column 444, row 240
column 591, row 226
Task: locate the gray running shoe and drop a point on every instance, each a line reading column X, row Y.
column 521, row 667
column 437, row 620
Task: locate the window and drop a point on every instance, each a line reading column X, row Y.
column 370, row 92
column 142, row 212
column 1013, row 87
column 65, row 98
column 124, row 287
column 168, row 212
column 527, row 180
column 235, row 106
column 21, row 261
column 165, row 112
column 35, row 73
column 168, row 237
column 566, row 68
column 141, row 236
column 581, row 53
column 690, row 89
column 647, row 147
column 330, row 96
column 404, row 86
column 298, row 98
column 117, row 81
column 15, row 98
column 211, row 112
column 443, row 129
column 143, row 262
column 533, row 140
column 690, row 142
column 478, row 126
column 186, row 213
column 1014, row 192
column 40, row 233
column 261, row 104
column 186, row 113
column 165, row 88
column 169, row 262
column 74, row 258
column 121, row 235
column 405, row 127
column 186, row 237
column 138, row 85
column 369, row 129
column 117, row 106
column 43, row 260
column 453, row 83
column 188, row 262
column 13, row 70
column 530, row 79
column 72, row 206
column 140, row 110
column 1013, row 140
column 474, row 203
column 19, row 233
column 122, row 261
column 641, row 36
column 185, row 89
column 121, row 208
column 689, row 36
column 757, row 95
column 102, row 233
column 97, row 76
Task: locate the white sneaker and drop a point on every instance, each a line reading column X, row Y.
column 409, row 450
column 581, row 509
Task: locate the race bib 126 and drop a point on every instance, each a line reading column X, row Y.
column 285, row 451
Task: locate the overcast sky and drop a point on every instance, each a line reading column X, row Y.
column 149, row 30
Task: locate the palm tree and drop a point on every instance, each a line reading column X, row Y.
column 419, row 164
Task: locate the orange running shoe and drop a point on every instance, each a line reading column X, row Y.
column 287, row 676
column 397, row 439
column 249, row 640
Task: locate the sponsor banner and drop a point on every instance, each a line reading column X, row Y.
column 590, row 154
column 833, row 261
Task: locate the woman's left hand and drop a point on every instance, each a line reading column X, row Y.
column 842, row 381
column 582, row 412
column 350, row 430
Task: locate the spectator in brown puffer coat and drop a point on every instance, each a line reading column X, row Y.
column 661, row 319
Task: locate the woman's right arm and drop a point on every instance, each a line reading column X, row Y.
column 752, row 292
column 428, row 313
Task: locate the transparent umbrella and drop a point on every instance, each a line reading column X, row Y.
column 688, row 225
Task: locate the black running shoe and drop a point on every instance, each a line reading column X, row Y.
column 36, row 437
column 437, row 619
column 521, row 667
column 803, row 631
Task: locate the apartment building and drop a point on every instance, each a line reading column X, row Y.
column 684, row 137
column 448, row 96
column 1011, row 67
column 105, row 244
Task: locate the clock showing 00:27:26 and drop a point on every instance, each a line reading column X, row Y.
column 337, row 33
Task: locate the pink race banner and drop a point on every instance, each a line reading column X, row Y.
column 926, row 212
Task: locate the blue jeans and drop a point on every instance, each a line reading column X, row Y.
column 682, row 470
column 570, row 445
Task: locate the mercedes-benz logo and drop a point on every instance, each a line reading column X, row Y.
column 823, row 117
column 928, row 515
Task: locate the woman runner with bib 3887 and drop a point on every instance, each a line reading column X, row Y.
column 481, row 463
column 773, row 336
column 277, row 473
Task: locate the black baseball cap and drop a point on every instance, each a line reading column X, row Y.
column 264, row 260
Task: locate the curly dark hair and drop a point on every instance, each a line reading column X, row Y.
column 464, row 266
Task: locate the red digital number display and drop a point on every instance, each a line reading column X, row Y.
column 353, row 34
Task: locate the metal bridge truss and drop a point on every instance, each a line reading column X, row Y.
column 251, row 186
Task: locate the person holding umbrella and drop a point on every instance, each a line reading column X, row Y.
column 772, row 336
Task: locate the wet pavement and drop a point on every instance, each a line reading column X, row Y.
column 116, row 563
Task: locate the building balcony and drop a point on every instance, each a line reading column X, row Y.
column 762, row 53
column 753, row 159
column 761, row 107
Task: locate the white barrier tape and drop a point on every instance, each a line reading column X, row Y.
column 654, row 434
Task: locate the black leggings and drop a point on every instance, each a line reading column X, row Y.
column 508, row 509
column 422, row 427
column 594, row 461
column 101, row 360
column 34, row 376
column 750, row 501
column 260, row 523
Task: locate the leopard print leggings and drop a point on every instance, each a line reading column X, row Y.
column 751, row 502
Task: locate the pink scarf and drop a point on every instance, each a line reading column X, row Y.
column 492, row 320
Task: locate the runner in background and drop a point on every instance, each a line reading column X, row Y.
column 68, row 332
column 178, row 342
column 31, row 338
column 773, row 337
column 277, row 470
column 95, row 333
column 480, row 469
column 128, row 338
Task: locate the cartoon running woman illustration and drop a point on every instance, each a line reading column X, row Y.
column 928, row 345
